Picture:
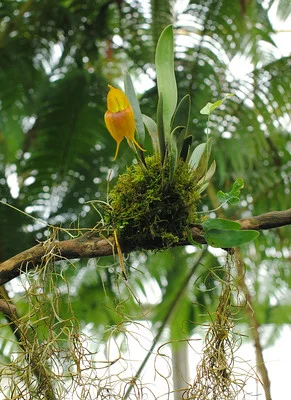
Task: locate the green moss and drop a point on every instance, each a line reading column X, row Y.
column 147, row 206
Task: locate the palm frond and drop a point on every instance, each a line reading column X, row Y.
column 60, row 148
column 162, row 14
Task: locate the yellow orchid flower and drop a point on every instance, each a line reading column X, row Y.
column 119, row 118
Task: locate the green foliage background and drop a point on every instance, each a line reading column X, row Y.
column 56, row 59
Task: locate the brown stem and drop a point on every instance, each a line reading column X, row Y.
column 89, row 246
column 273, row 219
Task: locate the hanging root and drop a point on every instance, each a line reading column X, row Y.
column 215, row 375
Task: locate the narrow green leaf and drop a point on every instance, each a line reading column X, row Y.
column 166, row 80
column 178, row 136
column 219, row 223
column 197, row 155
column 130, row 93
column 153, row 131
column 210, row 172
column 181, row 116
column 172, row 156
column 229, row 238
column 203, row 187
column 186, row 148
column 160, row 124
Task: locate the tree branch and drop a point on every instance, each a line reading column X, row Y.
column 270, row 220
column 90, row 246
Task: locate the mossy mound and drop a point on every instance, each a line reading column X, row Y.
column 148, row 207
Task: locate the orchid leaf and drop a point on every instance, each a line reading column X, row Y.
column 203, row 187
column 197, row 155
column 160, row 124
column 164, row 61
column 184, row 155
column 172, row 156
column 153, row 131
column 130, row 93
column 181, row 116
column 211, row 171
column 178, row 136
column 209, row 174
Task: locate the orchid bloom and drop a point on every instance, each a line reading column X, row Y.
column 119, row 118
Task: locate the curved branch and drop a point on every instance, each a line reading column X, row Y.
column 89, row 246
column 273, row 219
column 82, row 247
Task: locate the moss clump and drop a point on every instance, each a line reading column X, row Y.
column 148, row 206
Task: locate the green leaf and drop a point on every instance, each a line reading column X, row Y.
column 204, row 181
column 203, row 187
column 209, row 174
column 237, row 186
column 174, row 148
column 219, row 223
column 166, row 80
column 227, row 198
column 210, row 107
column 181, row 116
column 232, row 196
column 153, row 131
column 130, row 93
column 206, row 109
column 221, row 196
column 160, row 124
column 177, row 138
column 173, row 156
column 229, row 238
column 197, row 155
column 233, row 200
column 186, row 148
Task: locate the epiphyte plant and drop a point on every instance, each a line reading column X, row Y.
column 170, row 136
column 157, row 198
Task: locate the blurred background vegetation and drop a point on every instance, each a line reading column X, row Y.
column 56, row 59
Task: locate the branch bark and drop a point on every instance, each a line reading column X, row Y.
column 90, row 246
